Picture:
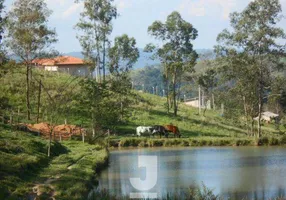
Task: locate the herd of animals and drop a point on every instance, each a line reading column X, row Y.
column 159, row 130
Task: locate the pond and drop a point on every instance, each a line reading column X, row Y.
column 232, row 172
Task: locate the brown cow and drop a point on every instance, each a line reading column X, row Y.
column 173, row 129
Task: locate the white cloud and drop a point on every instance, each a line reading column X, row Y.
column 123, row 4
column 74, row 8
column 207, row 7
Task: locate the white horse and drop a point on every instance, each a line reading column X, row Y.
column 142, row 130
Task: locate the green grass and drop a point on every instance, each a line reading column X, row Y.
column 22, row 157
column 124, row 142
column 191, row 124
column 76, row 171
column 70, row 173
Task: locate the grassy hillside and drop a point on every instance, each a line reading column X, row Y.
column 27, row 172
column 151, row 113
column 197, row 130
column 189, row 122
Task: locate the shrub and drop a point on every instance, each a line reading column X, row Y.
column 263, row 141
column 158, row 143
column 203, row 142
column 283, row 140
column 185, row 143
column 143, row 143
column 168, row 143
column 273, row 141
column 114, row 143
column 194, row 143
column 242, row 142
column 129, row 142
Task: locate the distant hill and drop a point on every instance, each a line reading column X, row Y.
column 144, row 59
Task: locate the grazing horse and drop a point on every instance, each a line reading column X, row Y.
column 160, row 130
column 142, row 130
column 173, row 129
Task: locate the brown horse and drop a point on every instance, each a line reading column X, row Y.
column 173, row 129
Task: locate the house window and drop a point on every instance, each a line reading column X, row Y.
column 51, row 68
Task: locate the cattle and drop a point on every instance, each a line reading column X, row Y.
column 157, row 129
column 144, row 130
column 173, row 129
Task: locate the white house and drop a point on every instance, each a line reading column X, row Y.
column 71, row 65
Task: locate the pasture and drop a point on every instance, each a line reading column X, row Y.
column 189, row 122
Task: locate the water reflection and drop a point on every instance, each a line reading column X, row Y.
column 234, row 173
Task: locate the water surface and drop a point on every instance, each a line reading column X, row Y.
column 234, row 173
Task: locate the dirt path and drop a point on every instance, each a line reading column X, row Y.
column 46, row 188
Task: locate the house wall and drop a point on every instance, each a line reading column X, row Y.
column 75, row 70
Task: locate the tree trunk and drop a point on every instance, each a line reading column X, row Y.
column 167, row 87
column 11, row 118
column 121, row 111
column 50, row 143
column 103, row 59
column 259, row 117
column 199, row 100
column 82, row 134
column 260, row 102
column 245, row 114
column 28, row 92
column 18, row 116
column 174, row 95
column 252, row 128
column 39, row 101
column 213, row 102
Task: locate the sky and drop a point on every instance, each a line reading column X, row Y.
column 209, row 17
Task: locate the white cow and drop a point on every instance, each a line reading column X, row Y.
column 142, row 130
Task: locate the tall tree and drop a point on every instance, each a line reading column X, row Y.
column 2, row 24
column 253, row 45
column 176, row 53
column 1, row 20
column 107, row 102
column 96, row 25
column 123, row 55
column 208, row 82
column 29, row 36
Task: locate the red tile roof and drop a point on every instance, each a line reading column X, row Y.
column 61, row 60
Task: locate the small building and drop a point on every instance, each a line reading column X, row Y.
column 267, row 117
column 68, row 64
column 195, row 103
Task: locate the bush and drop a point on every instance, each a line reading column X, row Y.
column 243, row 142
column 185, row 143
column 283, row 140
column 273, row 141
column 194, row 143
column 156, row 143
column 263, row 141
column 130, row 142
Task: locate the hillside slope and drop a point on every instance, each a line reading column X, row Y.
column 189, row 122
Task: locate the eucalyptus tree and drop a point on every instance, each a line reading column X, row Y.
column 96, row 26
column 106, row 102
column 123, row 55
column 3, row 57
column 252, row 48
column 29, row 36
column 176, row 53
column 208, row 82
column 1, row 20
